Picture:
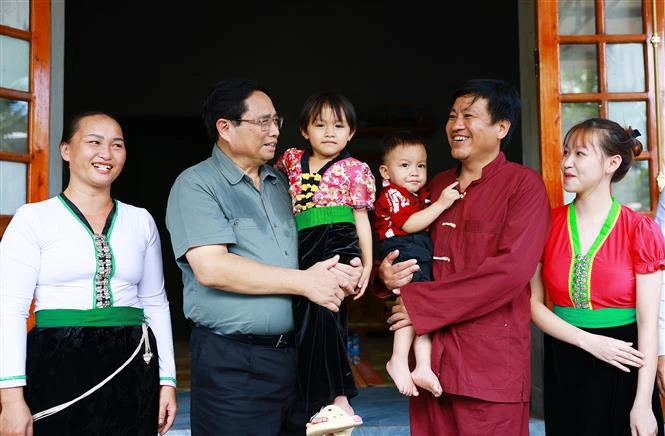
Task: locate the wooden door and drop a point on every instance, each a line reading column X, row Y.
column 602, row 58
column 25, row 34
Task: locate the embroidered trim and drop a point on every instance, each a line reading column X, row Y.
column 105, row 263
column 104, row 270
column 581, row 265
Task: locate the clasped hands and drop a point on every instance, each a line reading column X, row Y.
column 328, row 282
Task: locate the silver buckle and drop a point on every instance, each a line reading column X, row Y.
column 279, row 341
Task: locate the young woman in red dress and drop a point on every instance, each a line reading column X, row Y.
column 601, row 269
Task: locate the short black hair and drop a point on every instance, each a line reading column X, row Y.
column 503, row 100
column 398, row 138
column 339, row 104
column 226, row 99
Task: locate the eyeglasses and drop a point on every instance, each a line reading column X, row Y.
column 265, row 123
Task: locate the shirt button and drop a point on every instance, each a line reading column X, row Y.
column 286, row 253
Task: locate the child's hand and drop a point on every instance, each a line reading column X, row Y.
column 449, row 195
column 362, row 283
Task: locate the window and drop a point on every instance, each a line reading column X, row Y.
column 24, row 104
column 597, row 59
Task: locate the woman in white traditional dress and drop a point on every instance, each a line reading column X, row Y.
column 100, row 357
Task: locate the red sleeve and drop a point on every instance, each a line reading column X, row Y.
column 648, row 247
column 500, row 278
column 381, row 212
column 280, row 164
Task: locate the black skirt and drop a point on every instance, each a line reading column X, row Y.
column 586, row 396
column 63, row 363
column 324, row 371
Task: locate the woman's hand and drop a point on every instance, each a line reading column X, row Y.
column 168, row 407
column 15, row 418
column 396, row 275
column 613, row 351
column 642, row 421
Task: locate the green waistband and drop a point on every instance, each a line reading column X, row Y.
column 608, row 317
column 317, row 216
column 106, row 317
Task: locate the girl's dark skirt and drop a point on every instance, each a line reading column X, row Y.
column 63, row 363
column 586, row 396
column 324, row 371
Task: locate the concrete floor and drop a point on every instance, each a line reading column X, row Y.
column 384, row 410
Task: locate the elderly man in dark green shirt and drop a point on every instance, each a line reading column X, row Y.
column 234, row 238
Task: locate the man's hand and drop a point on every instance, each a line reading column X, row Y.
column 168, row 407
column 396, row 275
column 399, row 318
column 321, row 284
column 348, row 276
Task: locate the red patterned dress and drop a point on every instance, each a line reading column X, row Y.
column 596, row 292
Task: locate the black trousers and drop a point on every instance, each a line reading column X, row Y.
column 241, row 389
column 414, row 246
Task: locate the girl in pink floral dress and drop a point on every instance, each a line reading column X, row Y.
column 331, row 194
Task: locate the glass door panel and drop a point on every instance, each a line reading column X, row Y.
column 625, row 67
column 631, row 114
column 634, row 190
column 13, row 186
column 573, row 113
column 579, row 68
column 623, row 17
column 13, row 126
column 14, row 63
column 15, row 13
column 577, row 17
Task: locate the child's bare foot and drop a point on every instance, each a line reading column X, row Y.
column 343, row 403
column 423, row 377
column 401, row 375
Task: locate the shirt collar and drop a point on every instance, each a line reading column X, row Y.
column 488, row 170
column 231, row 171
column 422, row 192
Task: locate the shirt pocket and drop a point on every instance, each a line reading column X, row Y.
column 248, row 236
column 483, row 337
column 483, row 236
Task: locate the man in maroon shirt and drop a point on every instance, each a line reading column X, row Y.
column 486, row 247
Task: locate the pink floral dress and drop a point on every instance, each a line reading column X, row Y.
column 329, row 195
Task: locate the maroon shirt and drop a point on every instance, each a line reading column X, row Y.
column 477, row 308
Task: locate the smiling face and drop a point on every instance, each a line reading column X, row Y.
column 406, row 166
column 472, row 135
column 96, row 152
column 327, row 134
